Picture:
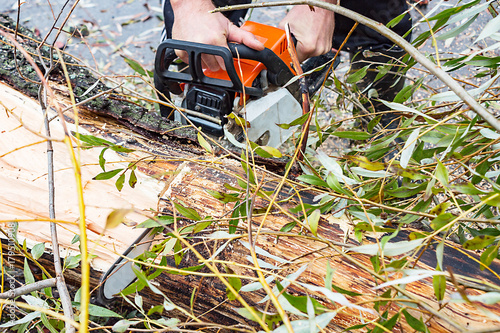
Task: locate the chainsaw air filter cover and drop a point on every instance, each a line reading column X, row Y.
column 212, row 102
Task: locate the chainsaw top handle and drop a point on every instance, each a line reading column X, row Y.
column 278, row 72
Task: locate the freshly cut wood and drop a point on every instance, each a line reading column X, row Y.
column 171, row 170
column 170, row 173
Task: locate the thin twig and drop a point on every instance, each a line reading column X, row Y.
column 29, row 288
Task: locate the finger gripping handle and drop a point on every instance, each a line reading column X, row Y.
column 278, row 71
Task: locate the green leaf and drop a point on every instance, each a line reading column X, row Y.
column 178, row 253
column 28, row 275
column 416, row 324
column 353, row 135
column 357, row 75
column 135, row 66
column 392, row 23
column 442, row 220
column 288, row 227
column 442, row 173
column 223, row 197
column 235, row 282
column 405, row 93
column 489, row 29
column 241, row 122
column 458, row 30
column 98, row 311
column 466, row 188
column 365, row 226
column 123, row 325
column 439, row 283
column 188, row 213
column 440, row 209
column 204, row 143
column 388, row 324
column 375, row 260
column 199, row 227
column 334, row 184
column 102, row 160
column 107, row 174
column 155, row 309
column 299, row 121
column 409, row 147
column 407, row 191
column 72, row 261
column 121, row 149
column 329, row 276
column 37, row 250
column 267, row 152
column 138, row 301
column 420, row 207
column 312, row 180
column 313, row 221
column 159, row 221
column 76, row 238
column 345, row 292
column 300, row 302
column 492, row 199
column 398, row 263
column 91, row 140
column 237, row 213
column 120, row 181
column 47, row 323
column 133, row 179
column 479, row 242
column 115, row 218
column 489, row 255
column 136, row 286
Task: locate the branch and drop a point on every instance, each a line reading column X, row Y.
column 395, row 38
column 29, row 288
column 61, row 286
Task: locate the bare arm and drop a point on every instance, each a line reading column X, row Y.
column 312, row 28
column 194, row 22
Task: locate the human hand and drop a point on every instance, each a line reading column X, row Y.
column 313, row 29
column 194, row 22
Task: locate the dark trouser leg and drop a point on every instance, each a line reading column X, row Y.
column 381, row 49
column 386, row 87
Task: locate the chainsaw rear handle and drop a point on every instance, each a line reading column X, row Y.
column 278, row 71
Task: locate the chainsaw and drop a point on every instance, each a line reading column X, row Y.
column 250, row 98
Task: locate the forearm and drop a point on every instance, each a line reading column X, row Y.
column 190, row 6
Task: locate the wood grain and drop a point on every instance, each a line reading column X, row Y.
column 171, row 173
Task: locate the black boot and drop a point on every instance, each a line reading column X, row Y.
column 387, row 86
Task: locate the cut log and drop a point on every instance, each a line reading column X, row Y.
column 170, row 171
column 176, row 174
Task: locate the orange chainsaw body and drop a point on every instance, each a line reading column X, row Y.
column 273, row 38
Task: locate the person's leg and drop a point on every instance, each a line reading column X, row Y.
column 369, row 48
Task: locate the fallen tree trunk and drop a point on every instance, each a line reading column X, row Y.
column 170, row 171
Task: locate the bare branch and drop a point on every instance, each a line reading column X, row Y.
column 29, row 288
